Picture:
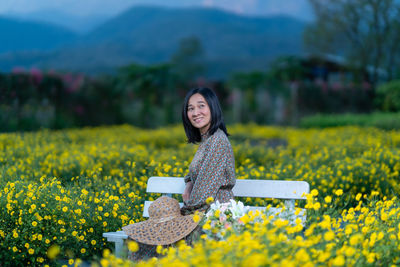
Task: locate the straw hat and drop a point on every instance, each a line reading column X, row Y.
column 165, row 225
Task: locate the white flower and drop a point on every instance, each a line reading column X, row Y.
column 214, row 206
column 238, row 209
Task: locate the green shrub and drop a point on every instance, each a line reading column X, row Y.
column 387, row 121
column 388, row 96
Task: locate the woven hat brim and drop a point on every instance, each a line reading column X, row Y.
column 163, row 233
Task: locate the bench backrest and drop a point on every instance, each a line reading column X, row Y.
column 279, row 189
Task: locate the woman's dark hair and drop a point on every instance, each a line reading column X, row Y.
column 217, row 120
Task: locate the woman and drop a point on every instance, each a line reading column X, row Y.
column 212, row 170
column 211, row 174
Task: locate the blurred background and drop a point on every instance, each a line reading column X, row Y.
column 307, row 63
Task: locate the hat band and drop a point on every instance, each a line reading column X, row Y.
column 165, row 219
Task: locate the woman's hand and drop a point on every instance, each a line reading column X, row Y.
column 187, row 191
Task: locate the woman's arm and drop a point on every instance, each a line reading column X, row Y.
column 187, row 191
column 210, row 176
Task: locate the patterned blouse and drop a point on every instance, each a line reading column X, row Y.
column 212, row 172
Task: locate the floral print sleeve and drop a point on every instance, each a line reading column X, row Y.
column 187, row 178
column 212, row 172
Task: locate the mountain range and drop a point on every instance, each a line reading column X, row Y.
column 149, row 35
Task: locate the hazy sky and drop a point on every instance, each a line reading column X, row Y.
column 299, row 8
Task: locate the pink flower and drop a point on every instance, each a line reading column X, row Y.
column 79, row 110
column 224, row 207
column 36, row 75
column 17, row 70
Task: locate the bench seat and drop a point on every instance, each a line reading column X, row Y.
column 275, row 189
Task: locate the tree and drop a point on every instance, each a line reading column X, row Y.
column 366, row 32
column 188, row 59
column 154, row 92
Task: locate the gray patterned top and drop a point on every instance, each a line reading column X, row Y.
column 212, row 172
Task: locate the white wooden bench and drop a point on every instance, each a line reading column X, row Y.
column 277, row 189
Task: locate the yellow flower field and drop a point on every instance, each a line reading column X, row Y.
column 60, row 190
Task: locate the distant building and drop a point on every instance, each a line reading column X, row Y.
column 335, row 69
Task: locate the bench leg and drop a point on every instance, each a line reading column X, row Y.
column 119, row 244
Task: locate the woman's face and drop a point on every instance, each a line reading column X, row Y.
column 199, row 113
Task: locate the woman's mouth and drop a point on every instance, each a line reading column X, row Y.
column 198, row 120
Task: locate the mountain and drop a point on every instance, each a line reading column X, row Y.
column 151, row 35
column 18, row 35
column 75, row 23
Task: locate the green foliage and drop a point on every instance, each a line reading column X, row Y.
column 366, row 32
column 388, row 96
column 333, row 98
column 287, row 68
column 152, row 94
column 387, row 121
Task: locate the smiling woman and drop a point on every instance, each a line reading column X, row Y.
column 212, row 171
column 211, row 174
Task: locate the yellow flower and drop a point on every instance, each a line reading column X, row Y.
column 355, row 239
column 83, row 250
column 245, row 219
column 384, row 216
column 31, row 251
column 328, row 199
column 339, row 192
column 302, row 255
column 350, row 251
column 106, row 253
column 328, row 236
column 104, row 263
column 207, row 226
column 93, row 242
column 338, row 261
column 196, row 217
column 323, row 256
column 53, row 251
column 371, row 257
column 133, row 246
column 216, row 213
column 209, row 200
column 314, row 192
column 65, row 209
